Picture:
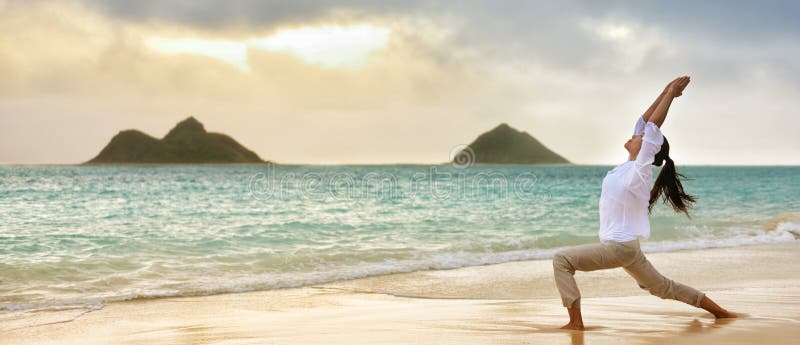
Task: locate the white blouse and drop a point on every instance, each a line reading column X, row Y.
column 625, row 193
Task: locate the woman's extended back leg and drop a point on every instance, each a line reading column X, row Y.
column 651, row 280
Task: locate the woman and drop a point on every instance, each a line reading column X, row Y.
column 625, row 202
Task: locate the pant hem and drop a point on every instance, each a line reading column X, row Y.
column 575, row 304
column 699, row 299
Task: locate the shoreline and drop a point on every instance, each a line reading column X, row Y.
column 648, row 248
column 510, row 302
column 611, row 164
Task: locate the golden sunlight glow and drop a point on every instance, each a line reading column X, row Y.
column 234, row 53
column 327, row 46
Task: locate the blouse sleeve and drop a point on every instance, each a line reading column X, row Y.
column 651, row 144
column 639, row 182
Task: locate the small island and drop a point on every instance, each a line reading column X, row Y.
column 506, row 145
column 188, row 142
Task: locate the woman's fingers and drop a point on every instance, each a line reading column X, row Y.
column 681, row 85
column 684, row 81
column 678, row 85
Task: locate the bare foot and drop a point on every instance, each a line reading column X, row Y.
column 724, row 314
column 573, row 326
column 713, row 308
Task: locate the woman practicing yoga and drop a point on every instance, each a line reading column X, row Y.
column 625, row 202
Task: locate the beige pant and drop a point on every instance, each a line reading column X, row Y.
column 600, row 256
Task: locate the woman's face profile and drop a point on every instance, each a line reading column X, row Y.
column 634, row 144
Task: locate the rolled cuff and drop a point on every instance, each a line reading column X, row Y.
column 639, row 126
column 652, row 134
column 700, row 297
column 572, row 304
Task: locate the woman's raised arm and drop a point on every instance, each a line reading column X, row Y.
column 674, row 89
column 649, row 111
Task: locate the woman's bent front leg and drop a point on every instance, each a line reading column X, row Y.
column 589, row 257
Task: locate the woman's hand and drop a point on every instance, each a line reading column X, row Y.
column 676, row 87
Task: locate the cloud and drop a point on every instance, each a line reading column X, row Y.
column 330, row 46
column 232, row 52
column 333, row 46
column 575, row 74
column 250, row 14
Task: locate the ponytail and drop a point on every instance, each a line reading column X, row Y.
column 669, row 184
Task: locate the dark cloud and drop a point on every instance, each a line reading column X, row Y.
column 741, row 19
column 738, row 20
column 254, row 13
column 548, row 32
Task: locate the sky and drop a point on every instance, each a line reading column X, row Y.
column 373, row 82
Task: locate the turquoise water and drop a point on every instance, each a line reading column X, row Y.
column 81, row 235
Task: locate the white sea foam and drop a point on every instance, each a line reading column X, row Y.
column 208, row 285
column 785, row 232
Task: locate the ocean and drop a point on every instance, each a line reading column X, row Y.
column 81, row 236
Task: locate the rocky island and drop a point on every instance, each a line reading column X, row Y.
column 187, row 142
column 506, row 145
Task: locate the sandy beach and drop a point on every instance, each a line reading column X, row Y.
column 509, row 303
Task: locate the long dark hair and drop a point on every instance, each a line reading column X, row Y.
column 669, row 184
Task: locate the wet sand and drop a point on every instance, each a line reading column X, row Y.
column 509, row 303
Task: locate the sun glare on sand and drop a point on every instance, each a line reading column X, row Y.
column 328, row 46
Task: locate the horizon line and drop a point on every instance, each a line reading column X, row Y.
column 362, row 164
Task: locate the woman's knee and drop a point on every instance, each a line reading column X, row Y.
column 662, row 289
column 560, row 261
column 559, row 257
